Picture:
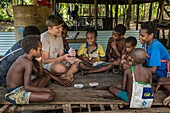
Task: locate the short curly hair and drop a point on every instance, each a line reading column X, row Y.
column 120, row 29
column 30, row 42
column 91, row 30
column 150, row 27
column 132, row 40
column 31, row 30
column 139, row 55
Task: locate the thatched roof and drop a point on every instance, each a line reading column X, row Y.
column 104, row 1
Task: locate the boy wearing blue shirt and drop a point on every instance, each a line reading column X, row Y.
column 157, row 54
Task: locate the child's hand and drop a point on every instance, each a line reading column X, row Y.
column 73, row 52
column 51, row 92
column 157, row 87
column 90, row 62
column 111, row 60
column 65, row 83
column 68, row 58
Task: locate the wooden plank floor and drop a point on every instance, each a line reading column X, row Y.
column 87, row 95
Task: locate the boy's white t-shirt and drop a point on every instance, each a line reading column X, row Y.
column 51, row 45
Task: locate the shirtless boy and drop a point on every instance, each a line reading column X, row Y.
column 115, row 46
column 141, row 74
column 21, row 89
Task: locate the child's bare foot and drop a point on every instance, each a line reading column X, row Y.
column 166, row 101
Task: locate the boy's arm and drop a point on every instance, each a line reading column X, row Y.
column 123, row 51
column 27, row 80
column 64, row 83
column 40, row 67
column 47, row 60
column 66, row 45
column 162, row 83
column 97, row 59
column 167, row 82
column 108, row 50
column 85, row 59
column 124, row 80
column 123, row 58
column 152, row 69
column 113, row 45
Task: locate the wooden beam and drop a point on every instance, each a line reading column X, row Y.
column 137, row 19
column 3, row 108
column 161, row 6
column 11, row 109
column 150, row 12
column 14, row 2
column 96, row 13
column 102, row 107
column 34, row 2
column 107, row 9
column 89, row 108
column 148, row 110
column 67, row 108
column 111, row 14
column 116, row 13
column 128, row 17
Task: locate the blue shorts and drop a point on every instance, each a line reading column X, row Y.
column 123, row 95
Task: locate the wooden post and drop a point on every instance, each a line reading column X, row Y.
column 128, row 18
column 89, row 9
column 14, row 2
column 67, row 108
column 96, row 13
column 111, row 14
column 34, row 2
column 124, row 14
column 150, row 12
column 55, row 3
column 107, row 9
column 116, row 13
column 161, row 6
column 137, row 19
column 22, row 2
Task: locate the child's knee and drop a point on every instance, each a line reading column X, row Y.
column 113, row 90
column 110, row 66
column 49, row 97
column 48, row 78
column 59, row 68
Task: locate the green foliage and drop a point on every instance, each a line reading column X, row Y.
column 6, row 13
column 5, row 3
